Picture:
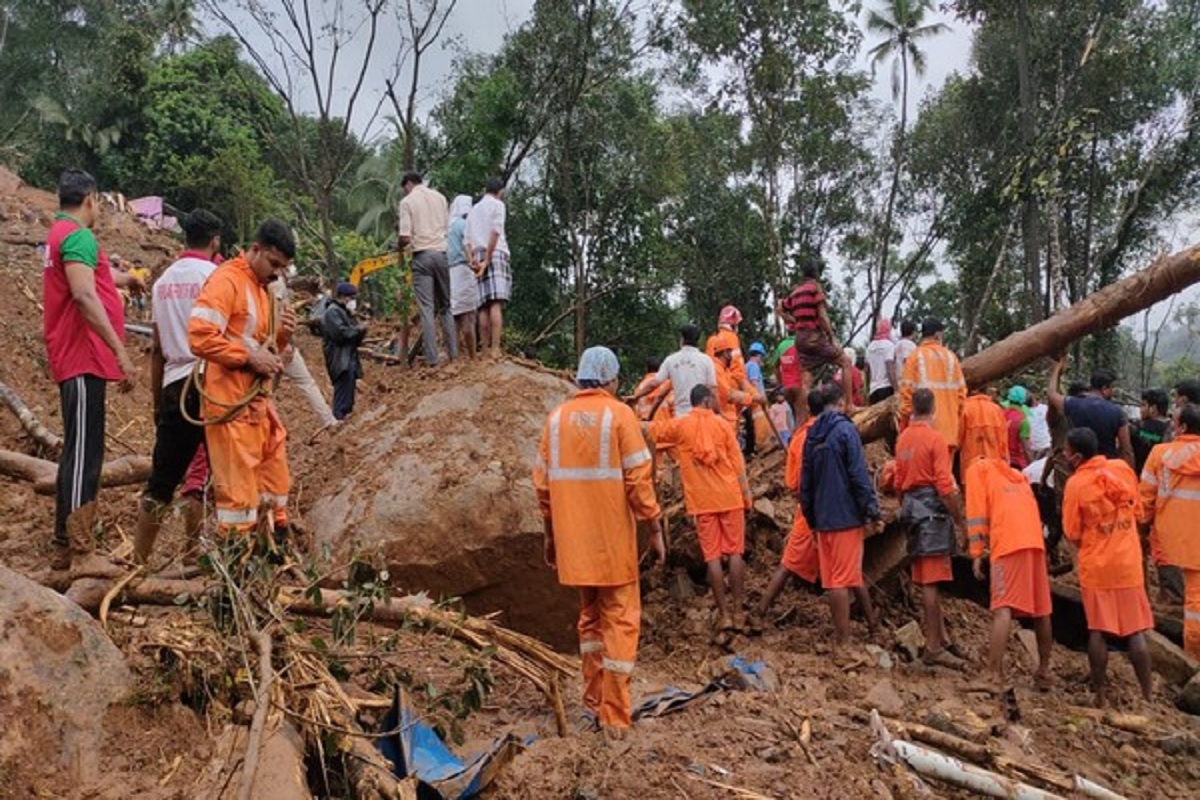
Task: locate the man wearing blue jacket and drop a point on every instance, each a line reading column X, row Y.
column 838, row 500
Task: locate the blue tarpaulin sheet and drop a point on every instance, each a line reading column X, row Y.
column 418, row 752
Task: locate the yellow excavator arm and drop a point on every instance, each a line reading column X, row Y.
column 368, row 265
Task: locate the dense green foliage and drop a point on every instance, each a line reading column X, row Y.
column 665, row 160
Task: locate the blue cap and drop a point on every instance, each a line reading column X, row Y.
column 598, row 364
column 346, row 289
column 758, row 348
column 1017, row 395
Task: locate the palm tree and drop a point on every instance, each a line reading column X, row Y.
column 901, row 22
column 176, row 19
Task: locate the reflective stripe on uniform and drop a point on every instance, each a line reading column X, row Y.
column 602, row 471
column 590, row 647
column 976, row 537
column 635, row 459
column 1149, row 478
column 613, row 665
column 276, row 500
column 980, row 522
column 1179, row 494
column 1193, row 616
column 211, row 315
column 237, row 516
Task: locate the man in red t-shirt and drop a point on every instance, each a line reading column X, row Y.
column 804, row 312
column 84, row 328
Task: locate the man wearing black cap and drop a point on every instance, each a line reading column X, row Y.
column 934, row 367
column 342, row 337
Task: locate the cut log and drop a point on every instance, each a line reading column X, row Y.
column 1168, row 275
column 43, row 474
column 39, row 432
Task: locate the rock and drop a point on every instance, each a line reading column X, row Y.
column 680, row 586
column 1189, row 698
column 880, row 656
column 765, row 508
column 437, row 480
column 911, row 640
column 881, row 789
column 1169, row 660
column 883, row 696
column 59, row 675
column 1180, row 744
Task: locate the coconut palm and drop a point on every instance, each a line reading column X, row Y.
column 902, row 24
column 176, row 19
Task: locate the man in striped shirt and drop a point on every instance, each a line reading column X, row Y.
column 805, row 314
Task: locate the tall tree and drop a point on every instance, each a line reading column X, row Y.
column 902, row 24
column 309, row 51
column 425, row 20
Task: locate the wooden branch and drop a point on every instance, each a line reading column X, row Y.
column 39, row 432
column 262, row 700
column 122, row 471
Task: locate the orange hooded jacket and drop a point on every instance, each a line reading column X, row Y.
column 934, row 367
column 644, row 404
column 731, row 395
column 984, row 431
column 1099, row 513
column 232, row 316
column 710, row 461
column 1002, row 514
column 726, row 339
column 1170, row 490
column 594, row 481
column 922, row 459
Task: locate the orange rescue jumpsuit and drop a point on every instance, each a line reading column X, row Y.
column 732, row 396
column 715, row 488
column 1170, row 490
column 922, row 459
column 984, row 431
column 1002, row 517
column 726, row 339
column 800, row 555
column 1100, row 510
column 933, row 367
column 248, row 454
column 594, row 482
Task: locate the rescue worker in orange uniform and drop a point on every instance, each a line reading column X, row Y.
column 932, row 366
column 732, row 396
column 1100, row 510
column 1003, row 523
column 230, row 330
column 726, row 338
column 595, row 486
column 800, row 556
column 648, row 394
column 931, row 506
column 717, row 495
column 984, row 430
column 1170, row 489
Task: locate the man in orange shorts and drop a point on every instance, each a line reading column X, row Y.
column 930, row 507
column 717, row 494
column 1100, row 510
column 1170, row 490
column 838, row 501
column 800, row 553
column 1003, row 521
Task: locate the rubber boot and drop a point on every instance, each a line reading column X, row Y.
column 148, row 523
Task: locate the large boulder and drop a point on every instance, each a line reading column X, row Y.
column 59, row 676
column 436, row 477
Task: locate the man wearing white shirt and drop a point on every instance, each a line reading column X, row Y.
column 881, row 363
column 424, row 217
column 906, row 346
column 171, row 362
column 686, row 368
column 490, row 261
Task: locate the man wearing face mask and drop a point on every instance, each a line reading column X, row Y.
column 238, row 330
column 342, row 337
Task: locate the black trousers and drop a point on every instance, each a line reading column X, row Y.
column 175, row 442
column 343, row 393
column 82, row 402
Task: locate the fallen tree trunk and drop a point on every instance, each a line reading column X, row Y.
column 1168, row 275
column 40, row 433
column 43, row 474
